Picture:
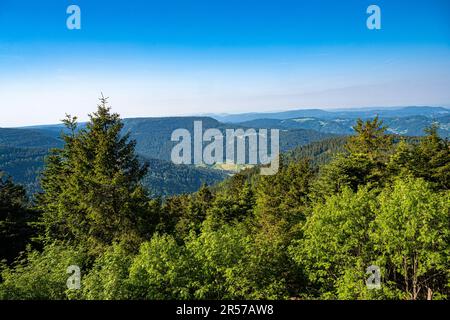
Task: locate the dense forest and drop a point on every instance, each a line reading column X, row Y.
column 23, row 150
column 162, row 179
column 335, row 208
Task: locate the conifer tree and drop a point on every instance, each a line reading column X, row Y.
column 370, row 139
column 432, row 159
column 365, row 162
column 92, row 190
column 283, row 198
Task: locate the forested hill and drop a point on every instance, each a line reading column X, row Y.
column 152, row 135
column 366, row 113
column 23, row 165
column 22, row 151
column 303, row 233
column 29, row 138
column 164, row 178
column 408, row 125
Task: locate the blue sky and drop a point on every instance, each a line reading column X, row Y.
column 180, row 57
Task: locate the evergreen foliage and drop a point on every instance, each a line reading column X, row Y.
column 309, row 232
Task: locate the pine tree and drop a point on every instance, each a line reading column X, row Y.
column 370, row 139
column 92, row 192
column 365, row 162
column 429, row 159
column 432, row 159
column 283, row 198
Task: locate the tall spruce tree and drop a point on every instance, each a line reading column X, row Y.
column 370, row 139
column 92, row 192
column 431, row 159
column 364, row 163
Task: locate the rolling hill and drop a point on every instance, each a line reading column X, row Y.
column 365, row 113
column 408, row 125
column 164, row 178
column 22, row 150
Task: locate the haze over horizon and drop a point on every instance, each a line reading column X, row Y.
column 221, row 117
column 168, row 58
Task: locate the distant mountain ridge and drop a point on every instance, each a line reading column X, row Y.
column 22, row 150
column 408, row 125
column 164, row 178
column 153, row 135
column 27, row 138
column 390, row 112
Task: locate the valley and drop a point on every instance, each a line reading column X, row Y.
column 23, row 150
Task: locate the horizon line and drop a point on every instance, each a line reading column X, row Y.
column 211, row 115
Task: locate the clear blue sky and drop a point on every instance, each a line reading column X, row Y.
column 172, row 57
